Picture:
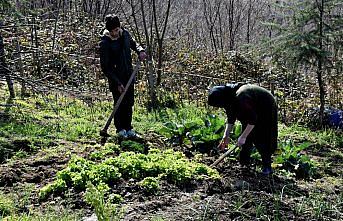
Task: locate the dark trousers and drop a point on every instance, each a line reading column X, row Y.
column 123, row 117
column 265, row 144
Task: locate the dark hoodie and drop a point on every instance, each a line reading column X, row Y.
column 116, row 59
column 248, row 103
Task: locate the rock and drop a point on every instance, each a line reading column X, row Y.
column 90, row 218
column 241, row 185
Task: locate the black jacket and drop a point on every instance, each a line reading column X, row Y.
column 250, row 104
column 116, row 59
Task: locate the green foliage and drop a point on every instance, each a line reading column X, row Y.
column 67, row 119
column 52, row 214
column 150, row 184
column 5, row 150
column 130, row 145
column 203, row 132
column 174, row 166
column 19, row 147
column 208, row 135
column 115, row 198
column 291, row 159
column 58, row 186
column 299, row 42
column 177, row 132
column 106, row 150
column 104, row 210
column 297, row 133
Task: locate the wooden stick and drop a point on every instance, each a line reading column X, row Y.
column 223, row 156
column 103, row 132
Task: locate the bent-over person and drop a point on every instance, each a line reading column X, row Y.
column 256, row 109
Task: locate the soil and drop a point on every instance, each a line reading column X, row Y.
column 241, row 194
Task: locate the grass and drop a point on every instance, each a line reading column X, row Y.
column 297, row 133
column 53, row 126
column 7, row 205
column 51, row 214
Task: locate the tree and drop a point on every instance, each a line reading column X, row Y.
column 160, row 34
column 211, row 15
column 313, row 26
column 5, row 5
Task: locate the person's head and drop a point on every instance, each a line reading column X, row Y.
column 222, row 96
column 216, row 97
column 113, row 25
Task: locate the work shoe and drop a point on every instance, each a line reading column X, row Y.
column 131, row 134
column 122, row 134
column 267, row 171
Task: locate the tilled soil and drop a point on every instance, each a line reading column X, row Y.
column 241, row 194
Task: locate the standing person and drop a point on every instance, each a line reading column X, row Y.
column 256, row 109
column 116, row 63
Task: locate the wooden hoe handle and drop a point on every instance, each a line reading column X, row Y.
column 223, row 156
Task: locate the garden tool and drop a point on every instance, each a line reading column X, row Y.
column 103, row 132
column 224, row 155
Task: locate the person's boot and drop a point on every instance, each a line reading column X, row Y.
column 132, row 134
column 122, row 134
column 267, row 165
column 267, row 170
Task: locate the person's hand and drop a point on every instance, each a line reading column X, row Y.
column 121, row 88
column 142, row 56
column 241, row 141
column 223, row 143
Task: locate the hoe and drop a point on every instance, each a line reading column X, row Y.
column 103, row 132
column 223, row 156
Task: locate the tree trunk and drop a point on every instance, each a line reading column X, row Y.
column 248, row 22
column 19, row 65
column 4, row 70
column 36, row 55
column 230, row 10
column 160, row 36
column 150, row 69
column 320, row 64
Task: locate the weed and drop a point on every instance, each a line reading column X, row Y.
column 52, row 214
column 260, row 208
column 104, row 210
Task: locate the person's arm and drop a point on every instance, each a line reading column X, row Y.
column 231, row 118
column 247, row 108
column 137, row 48
column 245, row 134
column 228, row 129
column 226, row 136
